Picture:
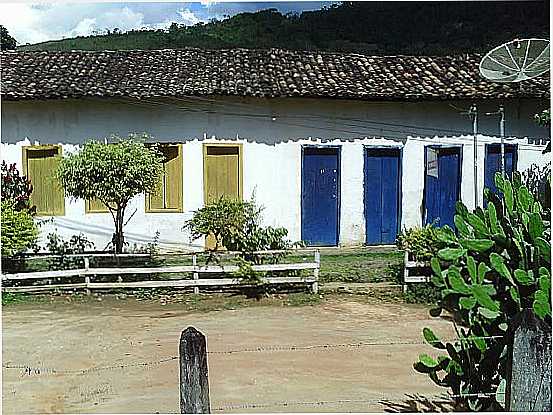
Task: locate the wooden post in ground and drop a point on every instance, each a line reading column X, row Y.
column 196, row 275
column 86, row 275
column 194, row 384
column 528, row 386
column 405, row 271
column 315, row 285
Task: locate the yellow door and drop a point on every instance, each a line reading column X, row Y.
column 40, row 167
column 222, row 175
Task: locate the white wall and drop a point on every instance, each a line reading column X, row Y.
column 272, row 152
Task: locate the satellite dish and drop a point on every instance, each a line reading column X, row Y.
column 517, row 60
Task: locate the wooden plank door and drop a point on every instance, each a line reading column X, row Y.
column 492, row 163
column 40, row 165
column 382, row 195
column 442, row 184
column 320, row 196
column 222, row 175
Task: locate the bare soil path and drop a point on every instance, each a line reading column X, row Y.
column 110, row 333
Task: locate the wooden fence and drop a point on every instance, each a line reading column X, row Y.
column 88, row 273
column 414, row 271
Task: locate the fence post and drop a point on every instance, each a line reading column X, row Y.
column 315, row 285
column 86, row 275
column 194, row 384
column 196, row 275
column 405, row 271
column 528, row 386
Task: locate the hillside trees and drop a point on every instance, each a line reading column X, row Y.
column 7, row 42
column 428, row 28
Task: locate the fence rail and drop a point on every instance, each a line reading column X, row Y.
column 221, row 253
column 88, row 273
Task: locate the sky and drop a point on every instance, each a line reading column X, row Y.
column 39, row 22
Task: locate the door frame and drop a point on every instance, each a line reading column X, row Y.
column 338, row 149
column 240, row 166
column 459, row 178
column 366, row 148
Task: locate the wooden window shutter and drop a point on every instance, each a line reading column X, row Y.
column 40, row 164
column 168, row 197
column 95, row 206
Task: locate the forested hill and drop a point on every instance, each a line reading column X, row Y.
column 380, row 28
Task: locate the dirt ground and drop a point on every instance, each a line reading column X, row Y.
column 116, row 336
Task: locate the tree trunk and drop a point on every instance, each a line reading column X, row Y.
column 119, row 238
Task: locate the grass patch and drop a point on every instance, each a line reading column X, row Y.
column 361, row 266
column 422, row 293
column 9, row 299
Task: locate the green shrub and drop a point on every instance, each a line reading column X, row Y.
column 19, row 231
column 236, row 225
column 422, row 293
column 497, row 264
column 57, row 245
column 422, row 243
column 538, row 181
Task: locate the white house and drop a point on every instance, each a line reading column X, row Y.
column 340, row 149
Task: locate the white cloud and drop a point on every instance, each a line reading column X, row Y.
column 124, row 19
column 187, row 17
column 208, row 3
column 182, row 16
column 32, row 23
column 84, row 28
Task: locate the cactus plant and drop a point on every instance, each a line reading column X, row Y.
column 495, row 264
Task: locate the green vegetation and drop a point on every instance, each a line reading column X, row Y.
column 543, row 118
column 422, row 293
column 498, row 264
column 538, row 181
column 236, row 225
column 113, row 174
column 9, row 299
column 422, row 243
column 434, row 28
column 19, row 231
column 359, row 265
column 7, row 42
column 16, row 188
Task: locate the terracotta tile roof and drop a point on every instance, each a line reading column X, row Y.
column 243, row 72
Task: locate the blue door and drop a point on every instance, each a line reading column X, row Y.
column 493, row 163
column 382, row 195
column 442, row 187
column 320, row 196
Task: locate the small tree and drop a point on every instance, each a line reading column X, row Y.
column 7, row 42
column 114, row 174
column 236, row 225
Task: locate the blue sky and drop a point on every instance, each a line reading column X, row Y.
column 38, row 22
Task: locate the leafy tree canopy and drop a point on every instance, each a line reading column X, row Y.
column 7, row 42
column 114, row 174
